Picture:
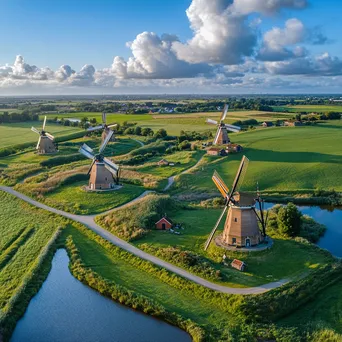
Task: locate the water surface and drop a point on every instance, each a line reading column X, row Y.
column 65, row 310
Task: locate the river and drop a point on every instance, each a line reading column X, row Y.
column 66, row 310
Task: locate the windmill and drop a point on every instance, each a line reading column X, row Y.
column 106, row 128
column 45, row 143
column 221, row 136
column 104, row 174
column 241, row 227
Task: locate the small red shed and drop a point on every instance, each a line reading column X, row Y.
column 164, row 223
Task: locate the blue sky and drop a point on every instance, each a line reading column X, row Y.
column 77, row 33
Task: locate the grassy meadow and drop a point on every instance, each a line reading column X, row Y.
column 19, row 133
column 310, row 108
column 281, row 159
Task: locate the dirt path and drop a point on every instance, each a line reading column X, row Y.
column 171, row 179
column 91, row 224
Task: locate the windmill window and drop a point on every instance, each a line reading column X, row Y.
column 235, row 219
column 234, row 241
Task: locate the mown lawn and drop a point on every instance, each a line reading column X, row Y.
column 19, row 133
column 281, row 159
column 286, row 259
column 73, row 198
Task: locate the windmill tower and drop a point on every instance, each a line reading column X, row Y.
column 241, row 228
column 221, row 136
column 106, row 128
column 46, row 142
column 104, row 174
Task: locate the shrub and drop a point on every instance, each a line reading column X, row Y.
column 289, row 220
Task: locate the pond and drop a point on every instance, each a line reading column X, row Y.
column 67, row 310
column 331, row 217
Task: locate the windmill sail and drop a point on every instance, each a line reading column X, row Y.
column 104, row 118
column 233, row 128
column 38, row 143
column 210, row 121
column 84, row 150
column 220, row 184
column 91, row 129
column 110, row 165
column 44, row 123
column 35, row 130
column 105, row 142
column 224, row 112
column 50, row 136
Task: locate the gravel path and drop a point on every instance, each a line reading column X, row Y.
column 88, row 220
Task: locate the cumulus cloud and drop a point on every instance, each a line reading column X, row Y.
column 277, row 41
column 322, row 65
column 153, row 57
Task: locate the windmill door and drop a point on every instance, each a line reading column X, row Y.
column 248, row 242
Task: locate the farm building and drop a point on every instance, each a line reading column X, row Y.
column 216, row 151
column 163, row 162
column 238, row 264
column 293, row 123
column 164, row 223
column 233, row 148
column 267, row 124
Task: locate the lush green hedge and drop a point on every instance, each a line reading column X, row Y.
column 159, row 146
column 282, row 301
column 6, row 151
column 126, row 297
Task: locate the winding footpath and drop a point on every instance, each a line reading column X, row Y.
column 88, row 221
column 171, row 179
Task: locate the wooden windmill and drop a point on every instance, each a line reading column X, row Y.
column 46, row 142
column 221, row 137
column 106, row 128
column 241, row 228
column 104, row 174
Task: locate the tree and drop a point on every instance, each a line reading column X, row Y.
column 129, row 130
column 289, row 220
column 147, row 131
column 137, row 130
column 93, row 121
column 160, row 134
column 334, row 116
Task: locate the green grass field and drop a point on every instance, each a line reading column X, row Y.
column 286, row 259
column 73, row 198
column 310, row 108
column 19, row 133
column 281, row 159
column 24, row 232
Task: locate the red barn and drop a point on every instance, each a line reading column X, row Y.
column 164, row 223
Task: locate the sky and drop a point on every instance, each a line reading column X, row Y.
column 170, row 46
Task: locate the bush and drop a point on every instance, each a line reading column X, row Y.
column 289, row 220
column 61, row 160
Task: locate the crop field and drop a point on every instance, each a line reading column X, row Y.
column 19, row 133
column 24, row 232
column 281, row 159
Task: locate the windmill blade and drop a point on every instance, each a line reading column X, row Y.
column 212, row 122
column 112, row 125
column 105, row 142
column 220, row 184
column 104, row 118
column 239, row 176
column 35, row 130
column 217, row 135
column 50, row 136
column 215, row 228
column 44, row 123
column 233, row 128
column 87, row 148
column 110, row 165
column 96, row 128
column 85, row 152
column 224, row 112
column 91, row 166
column 38, row 143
